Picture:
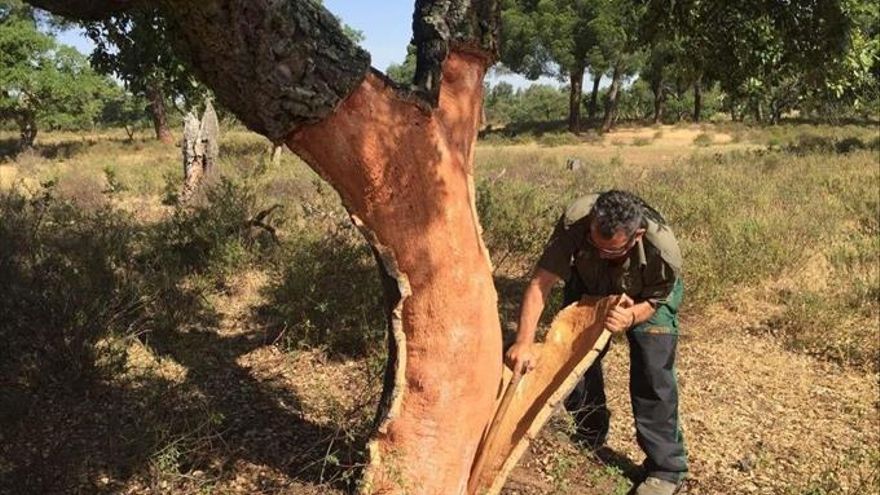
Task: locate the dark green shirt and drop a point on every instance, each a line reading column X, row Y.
column 648, row 272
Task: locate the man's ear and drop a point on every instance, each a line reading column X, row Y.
column 639, row 234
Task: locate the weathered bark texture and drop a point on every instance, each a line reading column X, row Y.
column 201, row 147
column 158, row 113
column 576, row 337
column 441, row 25
column 574, row 99
column 27, row 130
column 277, row 65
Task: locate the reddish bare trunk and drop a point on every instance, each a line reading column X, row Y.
column 405, row 176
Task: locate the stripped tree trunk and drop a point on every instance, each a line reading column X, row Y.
column 659, row 99
column 201, row 147
column 402, row 162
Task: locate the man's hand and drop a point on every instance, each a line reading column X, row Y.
column 522, row 356
column 621, row 317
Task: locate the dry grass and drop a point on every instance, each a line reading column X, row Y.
column 778, row 362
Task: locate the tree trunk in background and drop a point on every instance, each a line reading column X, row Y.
column 156, row 99
column 27, row 131
column 611, row 102
column 698, row 99
column 576, row 90
column 659, row 99
column 594, row 97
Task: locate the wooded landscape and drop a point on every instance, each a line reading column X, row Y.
column 277, row 335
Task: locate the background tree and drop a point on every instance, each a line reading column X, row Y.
column 43, row 84
column 554, row 38
column 135, row 47
column 123, row 109
column 616, row 27
column 404, row 72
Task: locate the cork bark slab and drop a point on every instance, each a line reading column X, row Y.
column 576, row 337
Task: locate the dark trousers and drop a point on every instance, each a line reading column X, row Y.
column 653, row 390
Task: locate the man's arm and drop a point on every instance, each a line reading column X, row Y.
column 520, row 353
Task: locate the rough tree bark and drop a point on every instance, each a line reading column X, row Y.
column 574, row 98
column 201, row 148
column 611, row 102
column 158, row 113
column 402, row 162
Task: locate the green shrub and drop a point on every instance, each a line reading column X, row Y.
column 217, row 234
column 328, row 295
column 66, row 287
column 516, row 218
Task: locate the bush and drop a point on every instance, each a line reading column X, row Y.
column 217, row 234
column 328, row 295
column 516, row 218
column 67, row 285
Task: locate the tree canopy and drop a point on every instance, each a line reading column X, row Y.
column 43, row 84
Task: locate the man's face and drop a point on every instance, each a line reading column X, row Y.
column 615, row 248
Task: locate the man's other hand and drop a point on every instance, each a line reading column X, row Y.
column 621, row 317
column 521, row 356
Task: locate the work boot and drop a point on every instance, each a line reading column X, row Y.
column 656, row 486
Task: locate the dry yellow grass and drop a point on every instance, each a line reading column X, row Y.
column 760, row 415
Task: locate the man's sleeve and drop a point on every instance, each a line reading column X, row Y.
column 659, row 280
column 558, row 251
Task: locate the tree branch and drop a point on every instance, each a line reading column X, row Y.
column 87, row 10
column 277, row 65
column 442, row 25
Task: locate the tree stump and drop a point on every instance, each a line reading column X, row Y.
column 201, row 147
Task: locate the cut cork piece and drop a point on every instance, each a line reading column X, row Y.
column 574, row 341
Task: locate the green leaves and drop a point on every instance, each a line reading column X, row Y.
column 44, row 84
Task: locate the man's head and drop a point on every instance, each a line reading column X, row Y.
column 617, row 223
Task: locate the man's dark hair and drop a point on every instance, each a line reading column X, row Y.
column 619, row 210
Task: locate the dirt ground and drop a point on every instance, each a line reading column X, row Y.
column 241, row 414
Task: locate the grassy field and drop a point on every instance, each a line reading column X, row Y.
column 153, row 348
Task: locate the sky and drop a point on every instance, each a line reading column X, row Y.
column 386, row 25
